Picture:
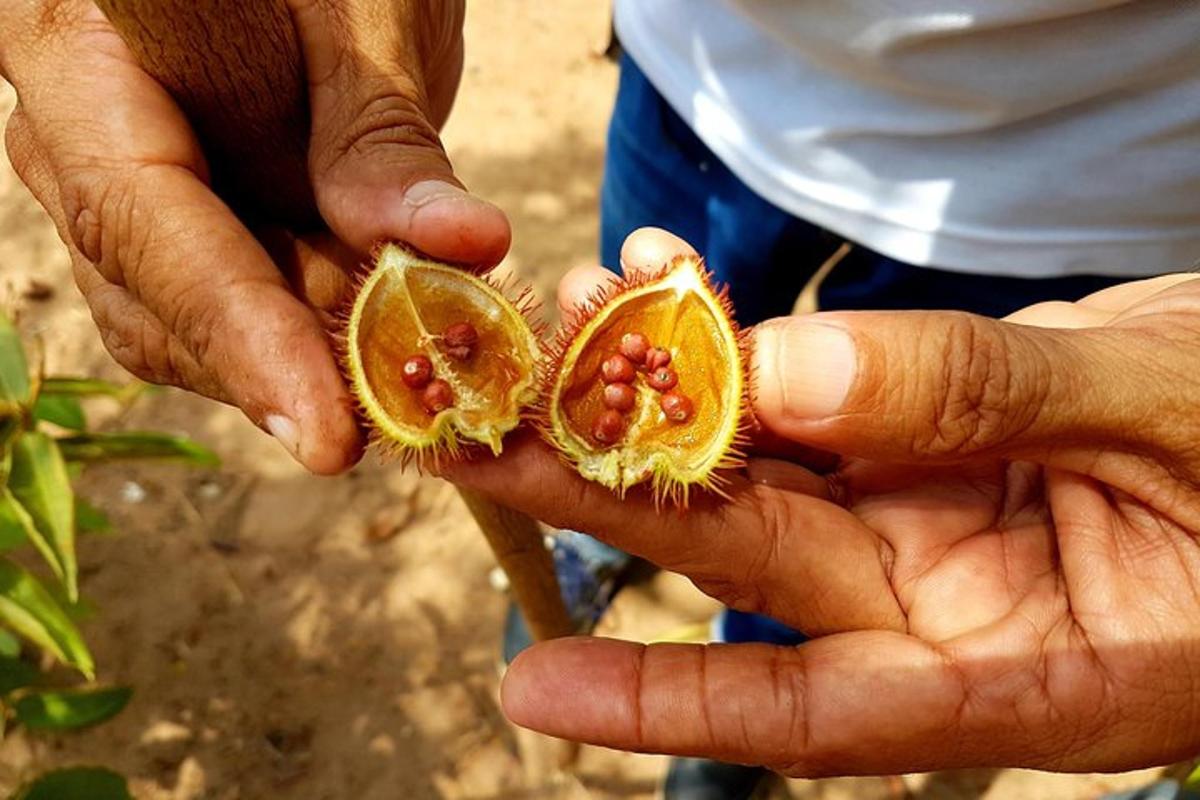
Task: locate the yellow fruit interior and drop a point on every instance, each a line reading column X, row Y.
column 680, row 313
column 403, row 308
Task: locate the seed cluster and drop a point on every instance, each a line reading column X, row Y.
column 458, row 341
column 619, row 371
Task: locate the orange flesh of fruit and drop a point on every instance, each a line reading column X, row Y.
column 679, row 312
column 402, row 310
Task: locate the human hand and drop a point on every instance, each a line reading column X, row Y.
column 182, row 291
column 1003, row 570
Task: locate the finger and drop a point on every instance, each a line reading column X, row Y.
column 803, row 561
column 862, row 703
column 648, row 250
column 854, row 704
column 579, row 287
column 135, row 338
column 788, row 477
column 140, row 213
column 1059, row 314
column 941, row 387
column 379, row 78
column 1117, row 298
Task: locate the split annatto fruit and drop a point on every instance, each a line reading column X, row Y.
column 649, row 385
column 437, row 357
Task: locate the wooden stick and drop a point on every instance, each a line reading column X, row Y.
column 235, row 68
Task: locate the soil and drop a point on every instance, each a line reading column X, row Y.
column 322, row 639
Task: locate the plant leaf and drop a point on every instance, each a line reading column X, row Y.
column 70, row 709
column 10, row 646
column 40, row 482
column 76, row 783
column 116, row 446
column 89, row 519
column 16, row 526
column 87, row 387
column 28, row 609
column 14, row 368
column 63, row 410
column 16, row 674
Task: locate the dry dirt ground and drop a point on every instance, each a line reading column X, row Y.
column 279, row 650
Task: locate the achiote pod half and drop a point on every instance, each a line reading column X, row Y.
column 438, row 358
column 649, row 384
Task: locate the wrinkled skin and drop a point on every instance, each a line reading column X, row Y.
column 1003, row 570
column 182, row 291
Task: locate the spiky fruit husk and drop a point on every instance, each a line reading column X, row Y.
column 678, row 309
column 403, row 305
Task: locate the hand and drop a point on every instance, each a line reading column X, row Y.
column 1003, row 571
column 182, row 291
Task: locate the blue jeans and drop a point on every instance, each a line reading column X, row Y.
column 658, row 173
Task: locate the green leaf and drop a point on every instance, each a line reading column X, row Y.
column 14, row 369
column 89, row 519
column 16, row 526
column 63, row 410
column 29, row 610
column 116, row 446
column 1193, row 780
column 10, row 646
column 76, row 783
column 40, row 482
column 16, row 674
column 70, row 709
column 86, row 387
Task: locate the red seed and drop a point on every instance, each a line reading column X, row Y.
column 677, row 407
column 620, row 396
column 657, row 358
column 608, row 427
column 460, row 340
column 618, row 369
column 634, row 346
column 417, row 372
column 663, row 379
column 437, row 397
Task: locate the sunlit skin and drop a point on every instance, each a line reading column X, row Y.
column 1013, row 578
column 182, row 291
column 1003, row 569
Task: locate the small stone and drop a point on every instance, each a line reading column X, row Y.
column 417, row 372
column 663, row 379
column 620, row 397
column 618, row 369
column 677, row 407
column 38, row 291
column 437, row 397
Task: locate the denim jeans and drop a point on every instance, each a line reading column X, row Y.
column 658, row 173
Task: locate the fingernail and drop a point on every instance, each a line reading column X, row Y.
column 805, row 368
column 427, row 192
column 285, row 431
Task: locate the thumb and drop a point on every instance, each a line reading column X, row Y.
column 381, row 78
column 948, row 386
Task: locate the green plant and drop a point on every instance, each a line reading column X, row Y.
column 40, row 511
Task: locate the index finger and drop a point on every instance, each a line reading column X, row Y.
column 802, row 560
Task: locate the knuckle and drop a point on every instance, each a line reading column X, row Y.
column 101, row 216
column 385, row 119
column 970, row 394
column 191, row 315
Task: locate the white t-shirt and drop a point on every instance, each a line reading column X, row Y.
column 1018, row 137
